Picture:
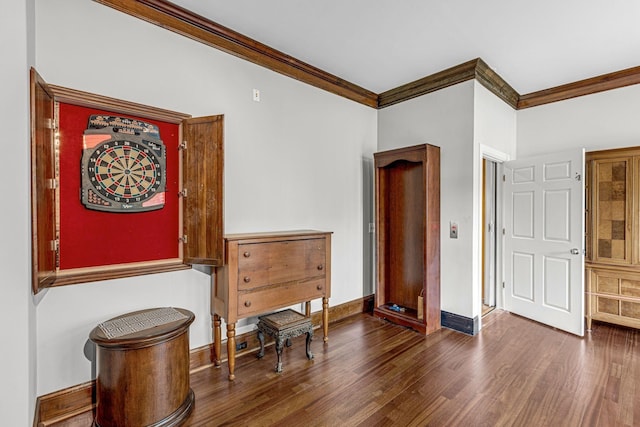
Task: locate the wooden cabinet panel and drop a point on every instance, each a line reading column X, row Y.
column 613, row 228
column 630, row 288
column 408, row 237
column 267, row 271
column 43, row 185
column 202, row 175
column 612, row 211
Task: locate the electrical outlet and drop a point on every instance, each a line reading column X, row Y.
column 241, row 345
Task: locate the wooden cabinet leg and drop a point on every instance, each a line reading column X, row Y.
column 231, row 349
column 307, row 309
column 325, row 319
column 217, row 338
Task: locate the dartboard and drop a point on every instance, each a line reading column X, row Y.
column 122, row 172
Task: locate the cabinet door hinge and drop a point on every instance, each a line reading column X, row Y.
column 183, row 145
column 52, row 184
column 183, row 239
column 183, row 193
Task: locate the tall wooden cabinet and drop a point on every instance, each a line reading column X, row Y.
column 613, row 237
column 408, row 237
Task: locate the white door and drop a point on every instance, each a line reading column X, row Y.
column 544, row 239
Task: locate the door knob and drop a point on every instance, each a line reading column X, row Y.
column 575, row 251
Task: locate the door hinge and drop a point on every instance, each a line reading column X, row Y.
column 504, row 178
column 504, row 231
column 183, row 239
column 183, row 145
column 502, row 285
column 52, row 184
column 54, row 245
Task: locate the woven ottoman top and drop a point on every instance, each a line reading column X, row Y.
column 283, row 319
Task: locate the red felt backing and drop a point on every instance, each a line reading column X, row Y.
column 90, row 238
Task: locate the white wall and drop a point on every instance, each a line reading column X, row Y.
column 494, row 136
column 17, row 313
column 292, row 161
column 444, row 118
column 599, row 121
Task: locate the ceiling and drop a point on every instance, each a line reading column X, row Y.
column 382, row 44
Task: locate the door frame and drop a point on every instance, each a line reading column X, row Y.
column 499, row 157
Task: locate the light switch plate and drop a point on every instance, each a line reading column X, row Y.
column 453, row 230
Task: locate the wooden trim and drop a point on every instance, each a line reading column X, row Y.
column 91, row 100
column 201, row 29
column 612, row 153
column 198, row 28
column 432, row 83
column 474, row 69
column 496, row 84
column 64, row 403
column 618, row 79
column 69, row 402
column 92, row 274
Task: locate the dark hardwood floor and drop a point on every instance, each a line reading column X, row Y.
column 372, row 373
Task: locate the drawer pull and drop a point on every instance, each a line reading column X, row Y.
column 320, row 267
column 319, row 287
column 247, row 279
column 247, row 303
column 247, row 254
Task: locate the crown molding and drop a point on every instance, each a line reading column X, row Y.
column 440, row 80
column 618, row 79
column 496, row 84
column 182, row 21
column 474, row 69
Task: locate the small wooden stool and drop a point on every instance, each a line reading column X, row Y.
column 282, row 326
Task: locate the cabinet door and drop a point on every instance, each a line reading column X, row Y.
column 202, row 174
column 43, row 184
column 611, row 200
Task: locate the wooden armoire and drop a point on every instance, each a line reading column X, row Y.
column 408, row 237
column 613, row 237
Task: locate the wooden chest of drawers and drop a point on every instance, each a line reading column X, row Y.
column 267, row 271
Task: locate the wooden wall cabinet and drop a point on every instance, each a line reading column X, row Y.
column 267, row 271
column 195, row 231
column 408, row 237
column 613, row 237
